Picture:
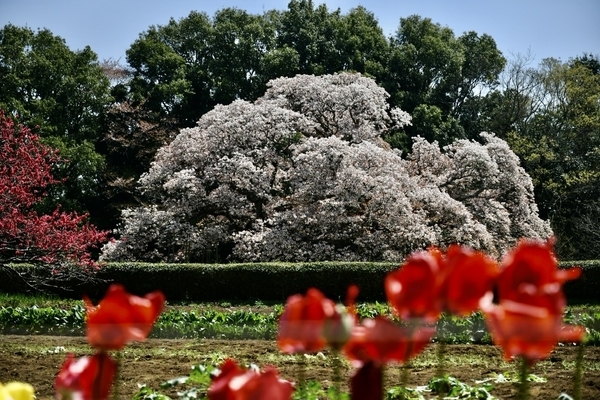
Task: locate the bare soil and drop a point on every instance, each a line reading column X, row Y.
column 36, row 359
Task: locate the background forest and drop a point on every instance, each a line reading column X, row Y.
column 109, row 119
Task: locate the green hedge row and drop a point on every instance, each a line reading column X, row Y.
column 256, row 281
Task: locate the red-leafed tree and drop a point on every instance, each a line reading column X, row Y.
column 58, row 241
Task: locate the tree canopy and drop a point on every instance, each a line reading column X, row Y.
column 63, row 95
column 440, row 78
column 109, row 120
column 56, row 239
column 559, row 143
column 302, row 174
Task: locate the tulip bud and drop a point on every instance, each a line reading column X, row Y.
column 338, row 327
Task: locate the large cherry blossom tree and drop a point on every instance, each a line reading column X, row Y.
column 302, row 174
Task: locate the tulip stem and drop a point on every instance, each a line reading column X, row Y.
column 578, row 378
column 404, row 375
column 524, row 381
column 441, row 358
column 115, row 395
column 301, row 370
column 98, row 381
column 337, row 376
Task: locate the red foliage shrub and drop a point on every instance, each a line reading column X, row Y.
column 25, row 235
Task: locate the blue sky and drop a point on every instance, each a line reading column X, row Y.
column 549, row 28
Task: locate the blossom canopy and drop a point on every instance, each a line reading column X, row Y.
column 303, row 174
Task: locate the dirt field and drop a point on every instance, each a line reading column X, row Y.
column 36, row 359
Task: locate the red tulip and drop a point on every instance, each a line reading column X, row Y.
column 528, row 320
column 413, row 290
column 528, row 331
column 469, row 280
column 382, row 341
column 302, row 324
column 530, row 275
column 219, row 388
column 431, row 282
column 235, row 383
column 87, row 378
column 377, row 342
column 121, row 317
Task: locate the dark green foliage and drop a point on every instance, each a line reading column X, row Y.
column 261, row 281
column 183, row 69
column 586, row 287
column 441, row 79
column 61, row 95
column 558, row 142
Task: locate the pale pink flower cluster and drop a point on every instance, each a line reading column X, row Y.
column 302, row 174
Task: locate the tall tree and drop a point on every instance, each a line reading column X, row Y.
column 168, row 64
column 559, row 145
column 43, row 83
column 183, row 69
column 239, row 44
column 361, row 43
column 440, row 78
column 311, row 33
column 302, row 174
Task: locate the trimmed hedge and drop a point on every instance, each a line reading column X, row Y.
column 587, row 287
column 256, row 281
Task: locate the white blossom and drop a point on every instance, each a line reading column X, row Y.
column 301, row 175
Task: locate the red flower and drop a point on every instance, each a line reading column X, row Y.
column 530, row 275
column 413, row 290
column 528, row 331
column 235, row 383
column 377, row 342
column 528, row 320
column 87, row 378
column 382, row 341
column 302, row 324
column 469, row 280
column 121, row 317
column 431, row 282
column 219, row 388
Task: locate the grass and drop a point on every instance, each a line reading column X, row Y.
column 21, row 314
column 39, row 300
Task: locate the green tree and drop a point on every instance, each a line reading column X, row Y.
column 318, row 41
column 168, row 68
column 311, row 32
column 361, row 43
column 183, row 69
column 560, row 148
column 240, row 42
column 441, row 77
column 64, row 93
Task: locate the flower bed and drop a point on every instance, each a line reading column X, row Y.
column 526, row 321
